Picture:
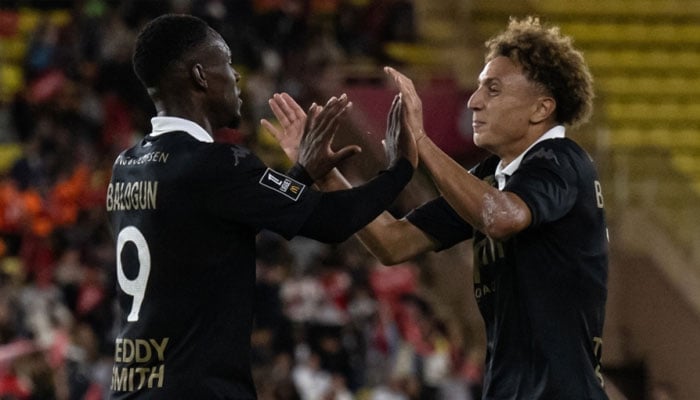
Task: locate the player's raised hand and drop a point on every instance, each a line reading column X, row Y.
column 412, row 104
column 315, row 152
column 398, row 142
column 292, row 119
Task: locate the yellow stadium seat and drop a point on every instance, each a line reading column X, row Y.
column 28, row 20
column 614, row 8
column 11, row 81
column 9, row 153
column 13, row 49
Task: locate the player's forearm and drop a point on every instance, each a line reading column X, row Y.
column 334, row 180
column 390, row 240
column 462, row 190
column 393, row 240
column 481, row 205
column 341, row 213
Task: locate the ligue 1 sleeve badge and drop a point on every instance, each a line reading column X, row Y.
column 282, row 184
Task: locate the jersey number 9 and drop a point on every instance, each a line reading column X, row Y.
column 136, row 287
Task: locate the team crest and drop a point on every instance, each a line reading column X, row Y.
column 282, row 184
column 547, row 154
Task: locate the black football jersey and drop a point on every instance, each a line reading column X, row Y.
column 542, row 292
column 185, row 214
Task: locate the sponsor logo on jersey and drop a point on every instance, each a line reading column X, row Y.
column 282, row 184
column 487, row 252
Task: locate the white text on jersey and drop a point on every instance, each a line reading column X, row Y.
column 139, row 195
column 154, row 156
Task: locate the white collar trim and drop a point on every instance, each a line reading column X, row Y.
column 163, row 125
column 555, row 133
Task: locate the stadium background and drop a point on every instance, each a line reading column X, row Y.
column 329, row 317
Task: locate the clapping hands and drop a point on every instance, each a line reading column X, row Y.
column 307, row 139
column 398, row 142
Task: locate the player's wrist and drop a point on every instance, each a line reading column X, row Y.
column 333, row 180
column 299, row 173
column 420, row 135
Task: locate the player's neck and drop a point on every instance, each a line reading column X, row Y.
column 190, row 112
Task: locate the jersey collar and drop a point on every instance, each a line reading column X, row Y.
column 501, row 173
column 163, row 125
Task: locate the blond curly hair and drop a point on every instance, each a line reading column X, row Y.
column 550, row 60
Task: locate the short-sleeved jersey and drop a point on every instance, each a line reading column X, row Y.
column 185, row 215
column 542, row 292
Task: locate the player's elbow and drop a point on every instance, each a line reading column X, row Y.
column 503, row 227
column 505, row 217
column 500, row 232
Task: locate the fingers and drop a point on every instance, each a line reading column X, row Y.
column 405, row 86
column 315, row 109
column 400, row 80
column 286, row 104
column 393, row 119
column 346, row 152
column 332, row 107
column 293, row 105
column 330, row 113
column 397, row 107
column 286, row 110
column 277, row 133
column 277, row 108
column 412, row 113
column 392, row 110
column 393, row 128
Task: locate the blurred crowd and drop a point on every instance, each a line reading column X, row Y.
column 331, row 323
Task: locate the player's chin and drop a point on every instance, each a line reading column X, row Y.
column 478, row 139
column 483, row 141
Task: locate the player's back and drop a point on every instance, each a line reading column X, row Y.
column 185, row 275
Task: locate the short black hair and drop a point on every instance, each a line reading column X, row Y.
column 164, row 40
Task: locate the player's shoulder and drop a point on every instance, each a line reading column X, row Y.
column 560, row 145
column 557, row 150
column 229, row 154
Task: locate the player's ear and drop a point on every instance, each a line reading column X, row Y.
column 199, row 76
column 544, row 108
